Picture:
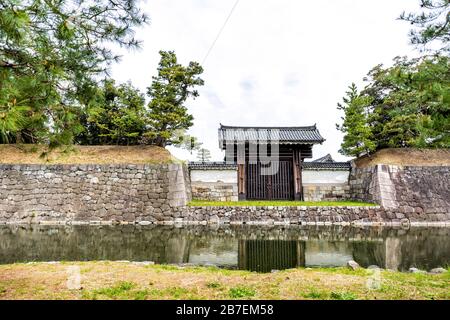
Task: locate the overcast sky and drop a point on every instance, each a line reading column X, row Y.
column 276, row 63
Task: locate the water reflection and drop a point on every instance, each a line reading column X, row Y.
column 258, row 248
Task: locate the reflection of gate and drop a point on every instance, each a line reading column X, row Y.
column 277, row 186
column 266, row 255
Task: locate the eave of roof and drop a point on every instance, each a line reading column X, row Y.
column 211, row 165
column 326, row 158
column 326, row 166
column 313, row 127
column 283, row 135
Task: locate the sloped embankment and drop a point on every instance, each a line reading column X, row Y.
column 31, row 154
column 406, row 157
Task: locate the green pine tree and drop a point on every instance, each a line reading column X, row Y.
column 203, row 155
column 357, row 134
column 410, row 103
column 431, row 25
column 169, row 91
column 117, row 115
column 51, row 54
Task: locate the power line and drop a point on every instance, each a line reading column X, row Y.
column 220, row 31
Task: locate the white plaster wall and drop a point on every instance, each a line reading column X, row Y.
column 324, row 177
column 226, row 176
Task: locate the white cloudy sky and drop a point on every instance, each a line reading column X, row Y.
column 277, row 62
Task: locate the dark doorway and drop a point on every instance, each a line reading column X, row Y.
column 276, row 186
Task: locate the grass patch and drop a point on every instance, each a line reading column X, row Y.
column 202, row 203
column 343, row 295
column 118, row 291
column 2, row 290
column 315, row 294
column 115, row 280
column 211, row 285
column 176, row 292
column 343, row 270
column 241, row 292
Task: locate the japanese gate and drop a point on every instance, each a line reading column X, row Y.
column 287, row 147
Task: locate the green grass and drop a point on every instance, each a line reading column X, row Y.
column 315, row 294
column 211, row 285
column 116, row 280
column 241, row 292
column 2, row 289
column 120, row 290
column 346, row 295
column 202, row 203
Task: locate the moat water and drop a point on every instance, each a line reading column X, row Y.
column 256, row 248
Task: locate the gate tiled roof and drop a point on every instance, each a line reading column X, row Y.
column 282, row 135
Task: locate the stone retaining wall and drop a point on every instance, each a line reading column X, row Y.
column 214, row 183
column 419, row 193
column 320, row 215
column 66, row 193
column 214, row 191
column 326, row 192
column 147, row 194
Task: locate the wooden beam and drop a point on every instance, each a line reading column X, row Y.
column 300, row 182
column 298, row 188
column 241, row 182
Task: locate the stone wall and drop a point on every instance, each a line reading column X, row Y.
column 214, row 191
column 66, row 193
column 317, row 215
column 221, row 184
column 325, row 184
column 214, row 185
column 326, row 192
column 147, row 194
column 418, row 193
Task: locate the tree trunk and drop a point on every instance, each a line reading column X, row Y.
column 161, row 142
column 18, row 137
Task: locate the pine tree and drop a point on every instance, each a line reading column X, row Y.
column 117, row 115
column 431, row 25
column 51, row 55
column 357, row 134
column 203, row 155
column 169, row 91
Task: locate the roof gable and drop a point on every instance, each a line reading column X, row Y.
column 326, row 158
column 281, row 135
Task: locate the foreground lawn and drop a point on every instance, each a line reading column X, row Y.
column 125, row 280
column 279, row 203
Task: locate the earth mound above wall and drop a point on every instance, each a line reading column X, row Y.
column 30, row 154
column 406, row 157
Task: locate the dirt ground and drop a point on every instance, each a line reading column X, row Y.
column 128, row 280
column 406, row 157
column 31, row 154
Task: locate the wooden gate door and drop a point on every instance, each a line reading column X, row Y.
column 278, row 186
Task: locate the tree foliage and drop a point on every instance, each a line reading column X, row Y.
column 431, row 25
column 406, row 105
column 51, row 53
column 358, row 136
column 116, row 115
column 203, row 155
column 169, row 91
column 411, row 105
